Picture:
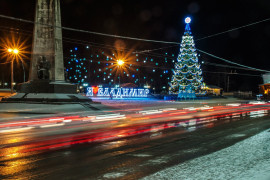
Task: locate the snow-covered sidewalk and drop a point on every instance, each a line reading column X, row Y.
column 246, row 160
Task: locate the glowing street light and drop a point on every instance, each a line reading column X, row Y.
column 13, row 52
column 120, row 64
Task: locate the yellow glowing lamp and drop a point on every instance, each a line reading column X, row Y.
column 9, row 50
column 120, row 62
column 15, row 51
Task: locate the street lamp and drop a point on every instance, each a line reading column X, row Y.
column 15, row 50
column 13, row 53
column 120, row 63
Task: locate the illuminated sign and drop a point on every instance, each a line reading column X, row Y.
column 117, row 92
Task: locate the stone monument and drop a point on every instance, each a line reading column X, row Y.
column 47, row 46
column 47, row 76
column 47, row 41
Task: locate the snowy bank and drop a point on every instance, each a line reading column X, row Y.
column 246, row 160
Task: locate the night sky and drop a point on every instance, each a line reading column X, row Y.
column 164, row 21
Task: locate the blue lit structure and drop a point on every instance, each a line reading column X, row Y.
column 187, row 80
column 118, row 92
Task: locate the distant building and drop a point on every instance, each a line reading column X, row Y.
column 214, row 90
column 266, row 78
column 264, row 88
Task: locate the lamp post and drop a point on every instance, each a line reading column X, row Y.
column 13, row 53
column 120, row 64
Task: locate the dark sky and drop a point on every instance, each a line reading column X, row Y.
column 164, row 20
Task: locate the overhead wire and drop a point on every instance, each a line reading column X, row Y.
column 213, row 35
column 127, row 37
column 244, row 74
column 70, row 40
column 224, row 65
column 168, row 68
column 146, row 40
column 233, row 29
column 86, row 31
column 230, row 62
column 159, row 55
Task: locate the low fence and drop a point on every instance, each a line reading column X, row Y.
column 243, row 94
column 237, row 94
column 175, row 97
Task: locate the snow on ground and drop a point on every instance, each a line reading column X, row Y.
column 246, row 160
column 150, row 102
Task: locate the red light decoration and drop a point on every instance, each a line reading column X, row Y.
column 95, row 90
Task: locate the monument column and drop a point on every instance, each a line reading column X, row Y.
column 46, row 72
column 47, row 40
column 46, row 79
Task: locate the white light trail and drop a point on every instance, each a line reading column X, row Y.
column 16, row 129
column 52, row 125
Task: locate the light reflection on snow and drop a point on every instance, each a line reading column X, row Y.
column 260, row 113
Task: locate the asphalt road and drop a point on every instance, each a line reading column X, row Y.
column 123, row 148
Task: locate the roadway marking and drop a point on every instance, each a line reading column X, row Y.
column 141, row 155
column 160, row 160
column 193, row 150
column 114, row 175
column 235, row 136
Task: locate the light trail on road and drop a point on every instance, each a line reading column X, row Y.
column 95, row 128
column 101, row 136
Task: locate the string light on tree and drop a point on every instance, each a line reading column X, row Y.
column 187, row 80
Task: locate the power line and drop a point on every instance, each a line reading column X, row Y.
column 209, row 36
column 156, row 55
column 146, row 40
column 233, row 29
column 88, row 32
column 215, row 64
column 223, row 65
column 243, row 74
column 160, row 55
column 70, row 40
column 127, row 37
column 244, row 67
column 169, row 68
column 230, row 62
column 149, row 50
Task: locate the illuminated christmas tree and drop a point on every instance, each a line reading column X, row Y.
column 187, row 80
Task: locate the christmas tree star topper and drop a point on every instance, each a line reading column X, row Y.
column 187, row 20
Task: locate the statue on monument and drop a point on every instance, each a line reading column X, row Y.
column 43, row 68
